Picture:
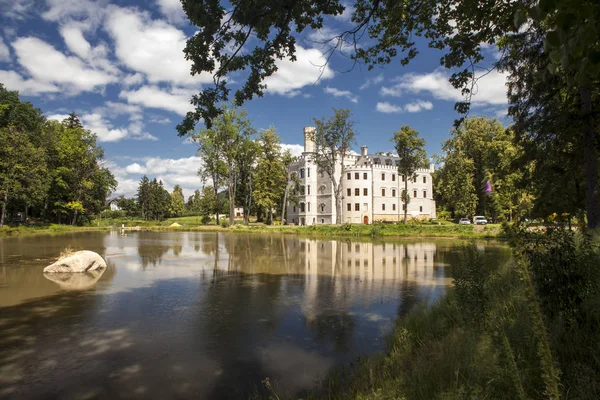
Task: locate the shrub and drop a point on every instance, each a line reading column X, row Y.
column 113, row 214
column 224, row 223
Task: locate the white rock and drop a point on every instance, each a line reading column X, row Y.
column 81, row 261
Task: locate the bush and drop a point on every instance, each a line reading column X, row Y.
column 206, row 220
column 224, row 222
column 113, row 214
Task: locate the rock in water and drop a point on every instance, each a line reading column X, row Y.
column 81, row 261
column 84, row 281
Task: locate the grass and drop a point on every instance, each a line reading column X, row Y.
column 448, row 230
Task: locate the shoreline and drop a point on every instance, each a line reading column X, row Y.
column 341, row 231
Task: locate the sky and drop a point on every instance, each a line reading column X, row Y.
column 119, row 65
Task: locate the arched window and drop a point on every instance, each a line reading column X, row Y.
column 301, row 207
column 424, row 194
column 393, row 192
column 415, row 194
column 383, row 192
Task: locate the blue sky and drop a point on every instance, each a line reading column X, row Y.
column 119, row 65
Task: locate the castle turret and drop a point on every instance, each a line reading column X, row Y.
column 364, row 150
column 309, row 139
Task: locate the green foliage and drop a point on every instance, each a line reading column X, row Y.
column 271, row 174
column 411, row 156
column 177, row 202
column 333, row 140
column 113, row 214
column 225, row 223
column 154, row 201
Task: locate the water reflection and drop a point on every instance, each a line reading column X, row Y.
column 76, row 281
column 216, row 313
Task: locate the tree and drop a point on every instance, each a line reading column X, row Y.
column 271, row 174
column 177, row 202
column 290, row 184
column 143, row 196
column 22, row 168
column 411, row 156
column 566, row 30
column 221, row 149
column 208, row 202
column 455, row 184
column 129, row 206
column 193, row 203
column 245, row 176
column 333, row 140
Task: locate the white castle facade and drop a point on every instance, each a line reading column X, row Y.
column 371, row 190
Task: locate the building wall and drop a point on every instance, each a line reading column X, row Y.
column 371, row 190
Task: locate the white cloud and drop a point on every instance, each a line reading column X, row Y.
column 490, row 89
column 309, row 67
column 391, row 91
column 46, row 64
column 172, row 9
column 15, row 9
column 88, row 11
column 341, row 93
column 57, row 117
column 295, row 149
column 4, row 51
column 179, row 171
column 372, row 81
column 117, row 108
column 176, row 100
column 103, row 128
column 152, row 47
column 347, row 13
column 133, row 79
column 388, row 108
column 28, row 87
column 417, row 106
column 160, row 120
column 73, row 37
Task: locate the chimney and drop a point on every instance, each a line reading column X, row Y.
column 363, row 150
column 309, row 139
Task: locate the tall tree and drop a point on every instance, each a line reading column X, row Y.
column 270, row 178
column 22, row 168
column 221, row 148
column 333, row 139
column 411, row 156
column 246, row 164
column 143, row 196
column 290, row 183
column 177, row 202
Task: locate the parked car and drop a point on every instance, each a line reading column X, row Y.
column 479, row 220
column 464, row 221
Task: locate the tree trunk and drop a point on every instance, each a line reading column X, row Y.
column 405, row 199
column 338, row 203
column 217, row 208
column 3, row 213
column 284, row 205
column 590, row 160
column 231, row 191
column 45, row 208
column 25, row 214
column 74, row 220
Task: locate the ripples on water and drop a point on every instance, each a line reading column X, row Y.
column 204, row 315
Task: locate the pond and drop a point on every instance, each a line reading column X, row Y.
column 205, row 314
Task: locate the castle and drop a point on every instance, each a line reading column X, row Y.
column 371, row 189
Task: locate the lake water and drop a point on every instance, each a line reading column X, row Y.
column 205, row 315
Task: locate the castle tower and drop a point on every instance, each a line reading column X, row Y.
column 309, row 139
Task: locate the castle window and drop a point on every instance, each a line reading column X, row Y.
column 383, row 177
column 303, row 190
column 356, row 206
column 365, row 192
column 356, row 175
column 301, row 207
column 383, row 192
column 322, row 207
column 349, row 192
column 424, row 194
column 383, row 207
column 393, row 177
column 415, row 194
column 294, row 208
column 357, row 192
column 424, row 179
column 309, row 187
column 301, row 173
column 322, row 220
column 403, row 178
column 393, row 207
column 348, row 176
column 388, row 161
column 364, row 175
column 421, row 208
column 393, row 192
column 309, row 207
column 308, row 172
column 349, row 206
